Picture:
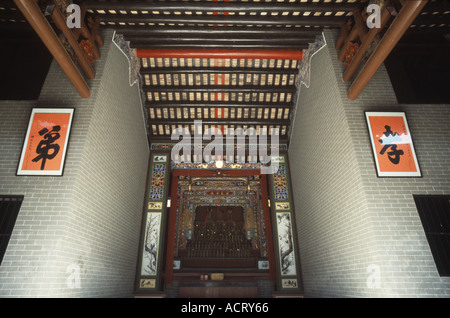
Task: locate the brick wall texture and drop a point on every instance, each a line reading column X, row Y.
column 78, row 235
column 360, row 235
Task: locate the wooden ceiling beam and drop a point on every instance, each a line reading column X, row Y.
column 217, row 104
column 218, row 6
column 240, row 38
column 270, row 40
column 60, row 21
column 216, row 32
column 223, row 19
column 166, row 140
column 358, row 58
column 414, row 32
column 146, row 45
column 12, row 16
column 6, row 26
column 205, row 43
column 222, row 121
column 360, row 23
column 33, row 14
column 437, row 6
column 410, row 10
column 217, row 70
column 276, row 54
column 430, row 19
column 222, row 88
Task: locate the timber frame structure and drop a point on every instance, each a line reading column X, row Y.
column 219, row 66
column 231, row 64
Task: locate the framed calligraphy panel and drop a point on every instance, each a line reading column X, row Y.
column 392, row 145
column 45, row 145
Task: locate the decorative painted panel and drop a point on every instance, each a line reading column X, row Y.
column 195, row 193
column 286, row 252
column 151, row 244
column 150, row 256
column 279, row 184
column 199, row 193
column 157, row 185
column 285, row 244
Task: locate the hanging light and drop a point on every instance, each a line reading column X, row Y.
column 219, row 164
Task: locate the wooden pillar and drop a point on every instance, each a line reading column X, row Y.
column 33, row 14
column 357, row 59
column 60, row 23
column 402, row 22
column 170, row 249
column 268, row 223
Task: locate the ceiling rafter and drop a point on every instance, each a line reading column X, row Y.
column 223, row 87
column 180, row 89
column 236, row 6
column 211, row 79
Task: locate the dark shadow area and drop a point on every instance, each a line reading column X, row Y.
column 24, row 62
column 419, row 68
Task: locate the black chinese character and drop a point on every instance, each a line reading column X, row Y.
column 46, row 149
column 394, row 155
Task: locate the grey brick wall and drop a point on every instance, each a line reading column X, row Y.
column 350, row 221
column 87, row 221
column 336, row 240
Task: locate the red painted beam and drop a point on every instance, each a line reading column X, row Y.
column 219, row 53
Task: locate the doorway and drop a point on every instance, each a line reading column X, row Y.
column 219, row 232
